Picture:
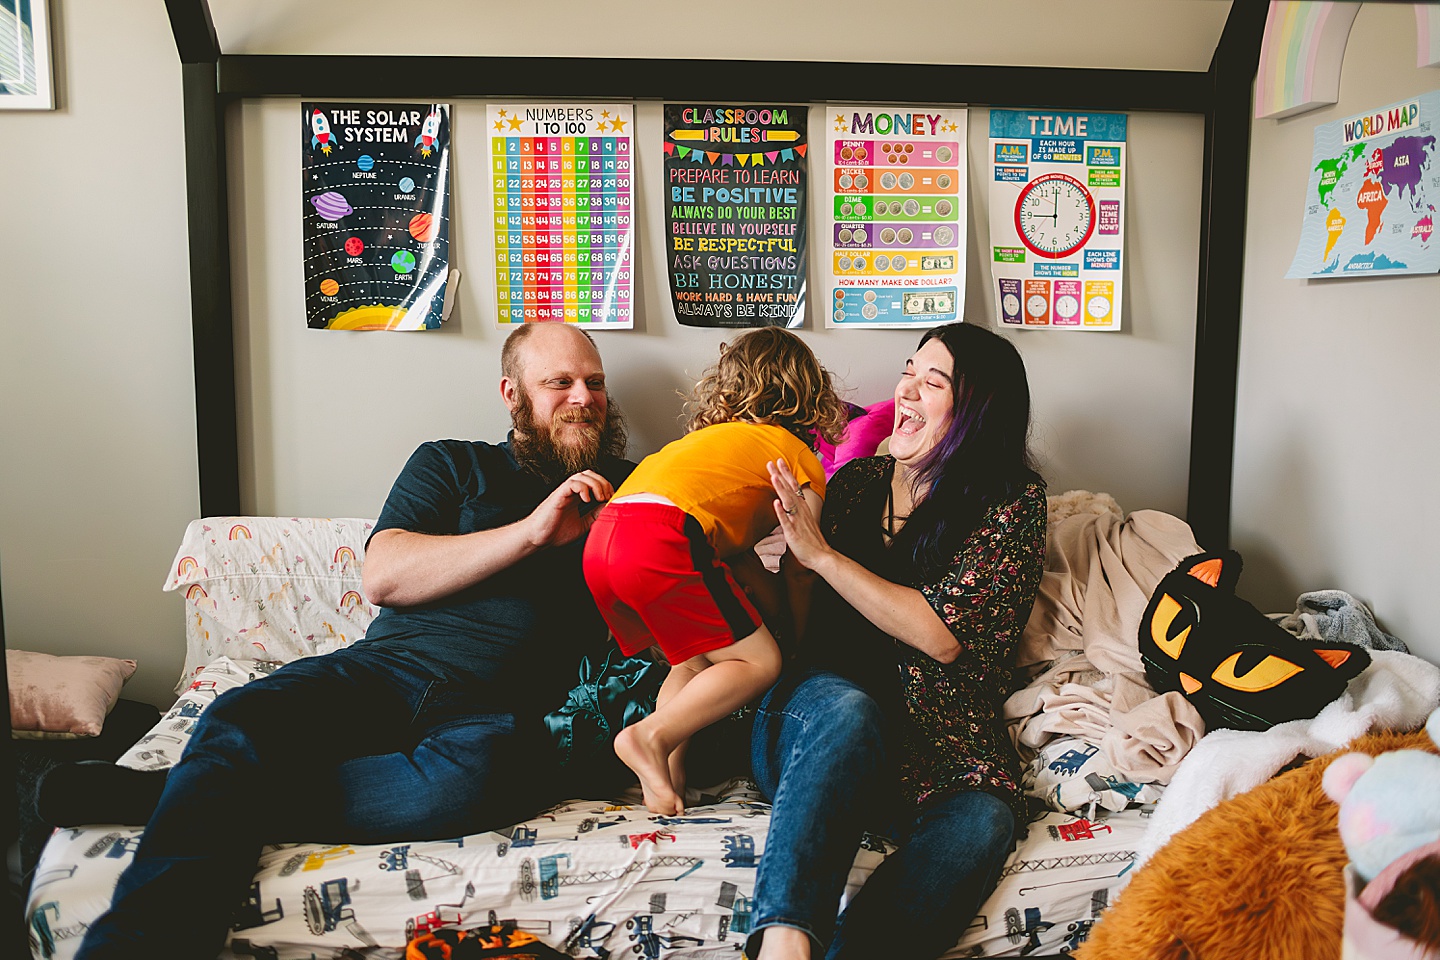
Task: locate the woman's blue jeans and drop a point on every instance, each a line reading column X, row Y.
column 818, row 752
column 363, row 745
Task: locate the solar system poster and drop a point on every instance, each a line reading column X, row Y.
column 735, row 214
column 1057, row 218
column 896, row 216
column 563, row 195
column 376, row 214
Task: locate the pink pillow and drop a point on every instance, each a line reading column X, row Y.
column 62, row 695
column 868, row 429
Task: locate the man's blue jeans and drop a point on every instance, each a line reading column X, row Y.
column 818, row 752
column 358, row 746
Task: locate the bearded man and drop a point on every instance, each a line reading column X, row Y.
column 429, row 727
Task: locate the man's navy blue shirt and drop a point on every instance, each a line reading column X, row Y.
column 525, row 627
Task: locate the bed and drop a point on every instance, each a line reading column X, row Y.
column 592, row 878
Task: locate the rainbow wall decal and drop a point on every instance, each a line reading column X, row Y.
column 239, row 532
column 1301, row 55
column 344, row 555
column 351, row 598
column 1427, row 35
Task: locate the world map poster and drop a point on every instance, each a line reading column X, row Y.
column 1370, row 203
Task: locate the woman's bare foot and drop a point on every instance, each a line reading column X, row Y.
column 651, row 764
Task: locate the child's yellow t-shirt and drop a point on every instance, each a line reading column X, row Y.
column 717, row 475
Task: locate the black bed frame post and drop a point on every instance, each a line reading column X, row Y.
column 212, row 323
column 1222, row 270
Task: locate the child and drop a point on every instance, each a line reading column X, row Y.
column 658, row 558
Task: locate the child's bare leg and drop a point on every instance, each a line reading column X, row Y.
column 717, row 684
column 676, row 763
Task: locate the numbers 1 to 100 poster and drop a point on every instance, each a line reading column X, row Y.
column 563, row 187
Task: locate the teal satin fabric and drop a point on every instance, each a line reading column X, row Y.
column 609, row 697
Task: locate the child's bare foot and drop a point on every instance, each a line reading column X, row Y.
column 650, row 764
column 676, row 764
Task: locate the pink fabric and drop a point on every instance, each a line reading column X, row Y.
column 63, row 694
column 1367, row 938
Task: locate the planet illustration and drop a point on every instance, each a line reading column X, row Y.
column 329, row 287
column 354, row 246
column 406, row 184
column 423, row 227
column 331, row 205
column 403, row 261
column 366, row 162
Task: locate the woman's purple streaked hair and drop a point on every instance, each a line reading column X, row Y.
column 983, row 458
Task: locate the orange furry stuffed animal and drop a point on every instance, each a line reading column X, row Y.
column 1258, row 876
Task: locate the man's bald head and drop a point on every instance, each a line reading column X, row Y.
column 538, row 336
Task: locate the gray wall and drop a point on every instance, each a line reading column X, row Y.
column 1335, row 438
column 97, row 449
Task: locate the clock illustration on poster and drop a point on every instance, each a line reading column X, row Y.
column 376, row 199
column 1054, row 215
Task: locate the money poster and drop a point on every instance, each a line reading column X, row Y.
column 562, row 178
column 735, row 209
column 1057, row 218
column 376, row 222
column 895, row 221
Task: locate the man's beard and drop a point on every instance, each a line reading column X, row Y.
column 536, row 448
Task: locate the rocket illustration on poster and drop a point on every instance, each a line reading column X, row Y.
column 376, row 214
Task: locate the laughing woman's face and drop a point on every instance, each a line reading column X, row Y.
column 924, row 401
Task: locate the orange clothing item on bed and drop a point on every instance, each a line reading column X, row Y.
column 717, row 475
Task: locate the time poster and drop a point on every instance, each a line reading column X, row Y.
column 1057, row 218
column 895, row 224
column 376, row 214
column 735, row 207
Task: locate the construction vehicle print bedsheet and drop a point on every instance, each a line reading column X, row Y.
column 589, row 879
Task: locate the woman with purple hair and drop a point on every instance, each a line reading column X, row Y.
column 923, row 568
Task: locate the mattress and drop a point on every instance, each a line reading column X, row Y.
column 590, row 878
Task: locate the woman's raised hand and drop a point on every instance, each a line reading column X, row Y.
column 798, row 510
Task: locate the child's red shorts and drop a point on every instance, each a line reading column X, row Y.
column 657, row 580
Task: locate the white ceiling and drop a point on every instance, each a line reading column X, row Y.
column 1124, row 34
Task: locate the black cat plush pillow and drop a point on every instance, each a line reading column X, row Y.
column 1236, row 666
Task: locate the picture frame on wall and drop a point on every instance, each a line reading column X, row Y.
column 25, row 82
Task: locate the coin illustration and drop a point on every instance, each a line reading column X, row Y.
column 912, row 207
column 839, row 315
column 846, row 153
column 943, row 181
column 843, row 263
column 882, row 262
column 844, row 235
column 861, row 153
column 944, row 235
column 906, row 181
column 846, row 181
column 887, row 235
column 905, row 235
column 898, row 262
column 869, row 296
column 861, row 181
column 844, row 209
column 859, row 209
column 859, row 235
column 943, row 207
column 909, row 147
column 869, row 311
column 887, row 180
column 839, row 294
column 943, row 154
column 859, row 263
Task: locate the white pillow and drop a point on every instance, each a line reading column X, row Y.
column 272, row 589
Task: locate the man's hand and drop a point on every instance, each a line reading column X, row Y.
column 558, row 520
column 771, row 549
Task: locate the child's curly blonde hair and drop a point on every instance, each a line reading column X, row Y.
column 769, row 376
